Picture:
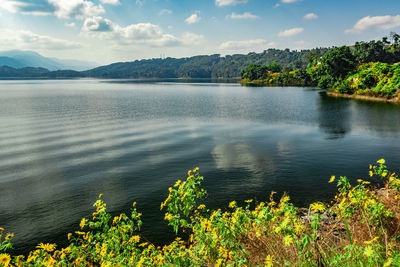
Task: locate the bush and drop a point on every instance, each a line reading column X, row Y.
column 359, row 228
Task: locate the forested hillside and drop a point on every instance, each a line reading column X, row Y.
column 365, row 68
column 207, row 66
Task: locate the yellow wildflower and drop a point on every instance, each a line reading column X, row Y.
column 143, row 244
column 101, row 195
column 318, row 206
column 196, row 169
column 202, row 206
column 371, row 173
column 285, row 199
column 168, row 216
column 1, row 230
column 134, row 204
column 371, row 241
column 332, row 179
column 47, row 247
column 134, row 239
column 381, row 161
column 83, row 223
column 189, row 172
column 69, row 236
column 269, row 261
column 370, row 166
column 9, row 236
column 388, row 262
column 359, row 181
column 232, row 204
column 5, row 259
column 288, row 240
column 248, row 201
column 368, row 250
column 177, row 183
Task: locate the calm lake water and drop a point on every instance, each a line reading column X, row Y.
column 64, row 142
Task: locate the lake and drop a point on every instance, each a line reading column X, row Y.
column 62, row 143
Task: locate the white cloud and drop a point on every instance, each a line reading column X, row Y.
column 165, row 11
column 110, row 2
column 71, row 24
column 244, row 46
column 78, row 9
column 194, row 18
column 245, row 15
column 136, row 34
column 379, row 22
column 290, row 1
column 311, row 16
column 229, row 2
column 290, row 32
column 22, row 39
column 98, row 24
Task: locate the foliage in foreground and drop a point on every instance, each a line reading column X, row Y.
column 359, row 228
column 374, row 79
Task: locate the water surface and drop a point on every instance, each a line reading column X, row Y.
column 64, row 142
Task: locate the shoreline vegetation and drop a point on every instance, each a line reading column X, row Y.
column 359, row 227
column 366, row 71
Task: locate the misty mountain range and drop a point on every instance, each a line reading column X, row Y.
column 22, row 59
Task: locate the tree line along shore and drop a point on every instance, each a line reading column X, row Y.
column 365, row 70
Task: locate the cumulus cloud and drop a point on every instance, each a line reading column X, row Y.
column 229, row 2
column 244, row 46
column 28, row 40
column 290, row 32
column 77, row 9
column 245, row 15
column 98, row 24
column 290, row 1
column 110, row 2
column 378, row 22
column 140, row 33
column 311, row 16
column 165, row 11
column 194, row 18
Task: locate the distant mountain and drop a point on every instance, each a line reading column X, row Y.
column 11, row 62
column 28, row 72
column 20, row 59
column 206, row 66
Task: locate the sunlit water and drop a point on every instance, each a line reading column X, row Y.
column 64, row 142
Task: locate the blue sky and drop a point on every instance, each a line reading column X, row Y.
column 107, row 31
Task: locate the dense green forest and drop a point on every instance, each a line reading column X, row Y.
column 207, row 66
column 211, row 66
column 366, row 68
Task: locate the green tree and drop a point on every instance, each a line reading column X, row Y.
column 254, row 72
column 336, row 64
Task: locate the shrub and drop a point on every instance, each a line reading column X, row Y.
column 360, row 227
